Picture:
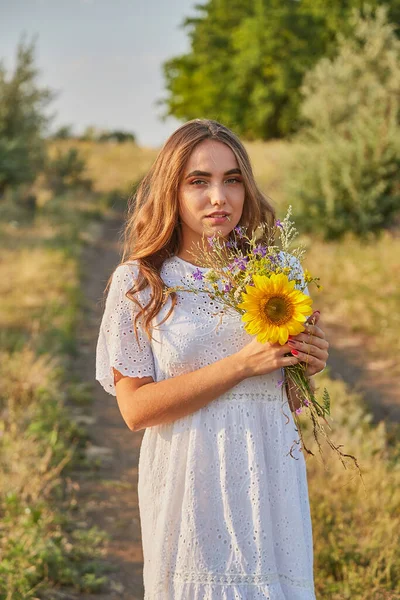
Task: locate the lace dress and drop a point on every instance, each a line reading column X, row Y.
column 224, row 509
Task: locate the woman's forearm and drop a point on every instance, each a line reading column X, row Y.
column 165, row 401
column 147, row 403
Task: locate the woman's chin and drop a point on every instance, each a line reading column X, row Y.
column 218, row 230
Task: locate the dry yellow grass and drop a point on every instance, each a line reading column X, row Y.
column 22, row 470
column 356, row 550
column 361, row 290
column 268, row 161
column 39, row 291
column 111, row 166
column 27, row 277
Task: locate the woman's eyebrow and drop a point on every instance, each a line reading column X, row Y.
column 206, row 174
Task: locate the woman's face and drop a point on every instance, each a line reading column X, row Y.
column 211, row 193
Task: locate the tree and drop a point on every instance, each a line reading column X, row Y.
column 117, row 136
column 66, row 170
column 345, row 173
column 23, row 121
column 198, row 81
column 63, row 133
column 248, row 59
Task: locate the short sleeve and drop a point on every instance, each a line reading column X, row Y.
column 116, row 345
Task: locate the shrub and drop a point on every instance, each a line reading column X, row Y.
column 66, row 170
column 63, row 133
column 344, row 168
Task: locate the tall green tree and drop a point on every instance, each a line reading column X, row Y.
column 23, row 119
column 248, row 59
column 198, row 81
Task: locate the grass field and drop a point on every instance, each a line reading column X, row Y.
column 357, row 555
column 41, row 543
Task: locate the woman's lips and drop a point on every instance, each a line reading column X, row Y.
column 218, row 218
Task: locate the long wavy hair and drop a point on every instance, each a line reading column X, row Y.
column 153, row 231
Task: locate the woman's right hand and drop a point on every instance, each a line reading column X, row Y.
column 260, row 358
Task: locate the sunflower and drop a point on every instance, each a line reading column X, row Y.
column 274, row 309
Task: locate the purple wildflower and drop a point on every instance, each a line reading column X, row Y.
column 261, row 250
column 230, row 244
column 278, row 223
column 227, row 287
column 272, row 258
column 239, row 231
column 280, row 382
column 211, row 241
column 198, row 275
column 298, row 410
column 241, row 262
column 306, row 402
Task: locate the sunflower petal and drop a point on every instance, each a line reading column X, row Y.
column 283, row 335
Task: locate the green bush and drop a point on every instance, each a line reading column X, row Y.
column 63, row 133
column 344, row 167
column 66, row 170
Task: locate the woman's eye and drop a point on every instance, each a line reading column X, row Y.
column 234, row 179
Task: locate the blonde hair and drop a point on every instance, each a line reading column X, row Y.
column 153, row 231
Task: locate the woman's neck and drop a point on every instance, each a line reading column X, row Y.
column 190, row 256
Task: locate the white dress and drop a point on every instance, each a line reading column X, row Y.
column 224, row 509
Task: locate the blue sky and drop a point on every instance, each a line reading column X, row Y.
column 103, row 57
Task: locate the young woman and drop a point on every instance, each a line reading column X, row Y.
column 224, row 508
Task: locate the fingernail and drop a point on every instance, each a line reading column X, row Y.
column 294, row 352
column 317, row 311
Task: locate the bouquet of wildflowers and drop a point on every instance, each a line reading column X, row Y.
column 264, row 282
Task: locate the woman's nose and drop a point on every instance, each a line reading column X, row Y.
column 217, row 194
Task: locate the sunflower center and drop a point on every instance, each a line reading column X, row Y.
column 278, row 310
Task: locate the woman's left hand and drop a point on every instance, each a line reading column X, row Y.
column 311, row 346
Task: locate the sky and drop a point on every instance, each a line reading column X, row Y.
column 103, row 57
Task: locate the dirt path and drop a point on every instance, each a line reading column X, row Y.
column 372, row 378
column 111, row 494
